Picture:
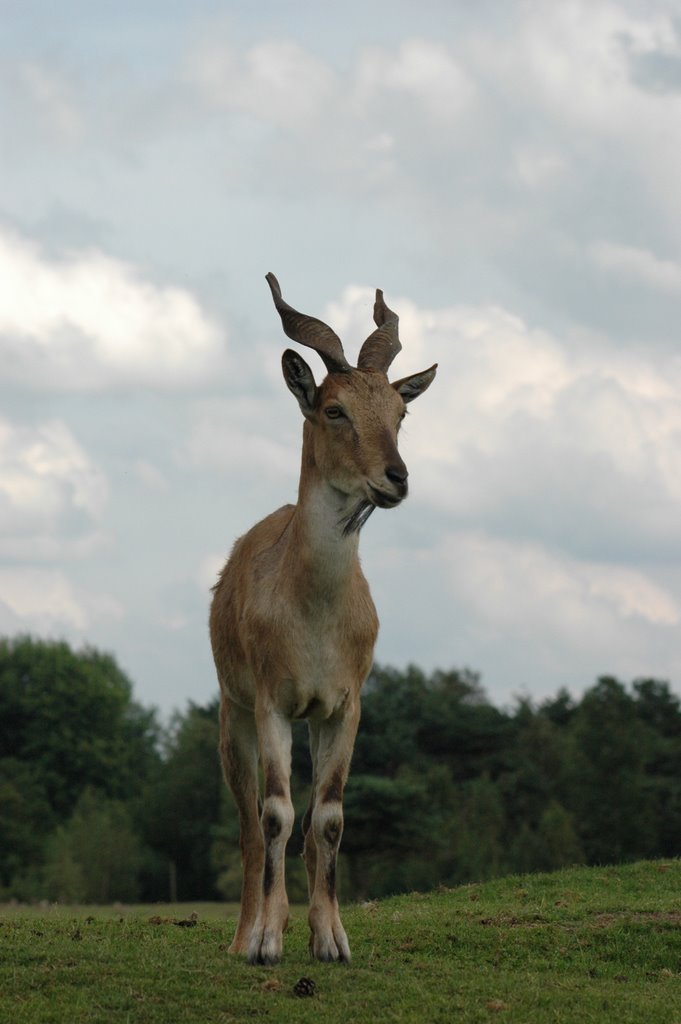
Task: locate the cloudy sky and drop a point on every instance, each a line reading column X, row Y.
column 508, row 172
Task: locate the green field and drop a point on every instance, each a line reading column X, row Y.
column 586, row 944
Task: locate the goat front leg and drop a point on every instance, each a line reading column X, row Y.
column 332, row 744
column 274, row 739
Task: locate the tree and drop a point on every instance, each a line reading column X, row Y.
column 659, row 710
column 396, row 832
column 26, row 820
column 71, row 715
column 410, row 718
column 67, row 722
column 97, row 803
column 559, row 843
column 457, row 725
column 536, row 767
column 608, row 778
column 181, row 806
column 479, row 850
column 392, row 707
column 97, row 856
column 559, row 709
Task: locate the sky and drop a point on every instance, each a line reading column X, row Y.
column 508, row 172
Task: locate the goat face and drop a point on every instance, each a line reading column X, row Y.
column 355, row 417
column 356, row 423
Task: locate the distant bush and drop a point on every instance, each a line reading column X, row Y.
column 96, row 857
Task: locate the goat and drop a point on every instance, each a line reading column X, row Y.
column 293, row 626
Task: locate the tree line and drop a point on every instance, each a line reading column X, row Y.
column 100, row 802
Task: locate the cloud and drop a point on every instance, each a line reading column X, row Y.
column 276, row 81
column 538, row 166
column 207, row 571
column 528, row 434
column 351, row 316
column 53, row 502
column 45, row 601
column 535, row 617
column 546, row 482
column 573, row 84
column 279, row 82
column 150, row 476
column 247, row 438
column 88, row 321
column 583, row 76
column 294, row 116
column 509, row 175
column 420, row 70
column 513, row 583
column 527, row 615
column 52, row 99
column 52, row 495
column 637, row 265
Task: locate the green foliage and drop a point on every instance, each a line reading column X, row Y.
column 553, row 844
column 479, row 849
column 26, row 820
column 609, row 745
column 409, row 718
column 395, row 827
column 558, row 839
column 596, row 781
column 444, row 788
column 96, row 857
column 182, row 802
column 225, row 850
column 68, row 723
column 72, row 716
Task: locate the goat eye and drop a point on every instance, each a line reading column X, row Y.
column 334, row 412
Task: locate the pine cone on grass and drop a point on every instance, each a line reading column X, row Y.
column 304, row 987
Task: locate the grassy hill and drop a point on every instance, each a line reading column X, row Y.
column 586, row 944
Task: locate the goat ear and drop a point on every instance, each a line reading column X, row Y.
column 299, row 380
column 411, row 387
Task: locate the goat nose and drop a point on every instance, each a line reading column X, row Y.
column 397, row 474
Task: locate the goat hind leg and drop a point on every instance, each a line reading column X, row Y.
column 310, row 846
column 239, row 755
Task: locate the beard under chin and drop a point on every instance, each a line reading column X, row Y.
column 357, row 517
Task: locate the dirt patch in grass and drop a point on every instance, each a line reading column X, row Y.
column 667, row 917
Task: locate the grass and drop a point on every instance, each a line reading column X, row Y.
column 581, row 945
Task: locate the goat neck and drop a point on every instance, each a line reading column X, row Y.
column 322, row 559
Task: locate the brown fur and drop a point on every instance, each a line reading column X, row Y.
column 293, row 629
